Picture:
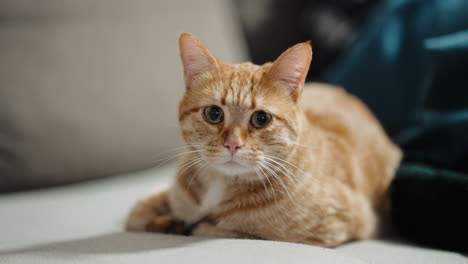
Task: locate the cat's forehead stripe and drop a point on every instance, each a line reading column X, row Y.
column 239, row 85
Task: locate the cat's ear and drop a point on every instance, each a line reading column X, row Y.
column 196, row 58
column 290, row 69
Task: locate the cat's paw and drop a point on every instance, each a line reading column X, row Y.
column 146, row 211
column 166, row 224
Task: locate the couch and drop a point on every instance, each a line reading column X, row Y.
column 88, row 94
column 83, row 223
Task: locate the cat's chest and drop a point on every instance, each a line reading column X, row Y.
column 213, row 195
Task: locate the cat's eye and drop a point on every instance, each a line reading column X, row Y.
column 260, row 119
column 213, row 114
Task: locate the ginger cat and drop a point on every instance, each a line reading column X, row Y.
column 270, row 157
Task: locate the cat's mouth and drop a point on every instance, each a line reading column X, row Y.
column 232, row 164
column 234, row 167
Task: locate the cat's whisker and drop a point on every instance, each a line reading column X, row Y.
column 262, row 180
column 281, row 167
column 287, row 173
column 268, row 180
column 196, row 173
column 283, row 160
column 175, row 156
column 287, row 162
column 277, row 177
column 178, row 148
column 180, row 154
column 189, row 164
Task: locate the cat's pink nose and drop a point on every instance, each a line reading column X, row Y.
column 233, row 146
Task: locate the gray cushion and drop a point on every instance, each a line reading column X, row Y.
column 90, row 88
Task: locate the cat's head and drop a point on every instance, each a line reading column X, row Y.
column 240, row 116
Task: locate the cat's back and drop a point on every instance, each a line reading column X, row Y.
column 334, row 109
column 346, row 121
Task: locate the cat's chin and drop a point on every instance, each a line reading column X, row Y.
column 233, row 168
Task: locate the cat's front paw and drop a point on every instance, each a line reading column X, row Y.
column 166, row 224
column 146, row 211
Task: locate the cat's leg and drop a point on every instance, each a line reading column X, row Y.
column 208, row 229
column 153, row 214
column 354, row 221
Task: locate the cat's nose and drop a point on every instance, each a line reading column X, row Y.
column 233, row 146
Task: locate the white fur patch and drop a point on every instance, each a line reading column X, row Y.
column 213, row 196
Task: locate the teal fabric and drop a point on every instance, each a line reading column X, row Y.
column 393, row 65
column 409, row 66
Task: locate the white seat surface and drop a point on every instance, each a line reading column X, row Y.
column 84, row 223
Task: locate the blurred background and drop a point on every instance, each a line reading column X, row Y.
column 90, row 88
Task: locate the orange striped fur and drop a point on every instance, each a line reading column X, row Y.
column 318, row 173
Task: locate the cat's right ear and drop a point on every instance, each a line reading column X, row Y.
column 196, row 58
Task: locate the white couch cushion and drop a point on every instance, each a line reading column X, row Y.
column 84, row 222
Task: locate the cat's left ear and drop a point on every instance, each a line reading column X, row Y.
column 290, row 69
column 196, row 58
